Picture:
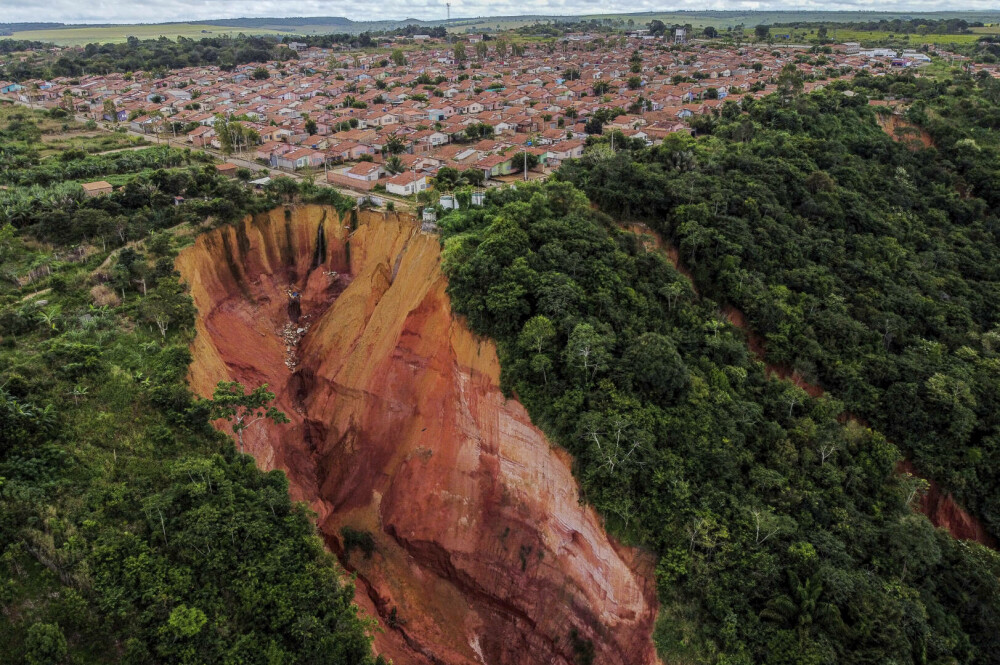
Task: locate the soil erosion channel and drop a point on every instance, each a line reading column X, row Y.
column 483, row 552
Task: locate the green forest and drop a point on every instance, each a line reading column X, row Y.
column 783, row 535
column 869, row 266
column 861, row 245
column 130, row 530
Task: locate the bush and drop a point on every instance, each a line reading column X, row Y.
column 355, row 539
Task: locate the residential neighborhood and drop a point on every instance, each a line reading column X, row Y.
column 361, row 121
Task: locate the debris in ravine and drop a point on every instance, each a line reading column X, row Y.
column 292, row 333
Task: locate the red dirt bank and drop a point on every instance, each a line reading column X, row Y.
column 484, row 553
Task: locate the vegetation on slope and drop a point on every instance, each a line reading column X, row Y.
column 783, row 536
column 870, row 266
column 130, row 530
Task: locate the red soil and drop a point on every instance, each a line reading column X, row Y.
column 903, row 131
column 484, row 551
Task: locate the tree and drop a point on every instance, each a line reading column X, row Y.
column 762, row 33
column 398, row 58
column 524, row 158
column 634, row 82
column 500, row 48
column 657, row 366
column 166, row 304
column 481, row 50
column 186, row 621
column 260, row 74
column 657, row 27
column 459, row 52
column 393, row 165
column 711, row 32
column 310, row 127
column 587, row 350
column 394, row 145
column 790, row 83
column 244, row 410
column 284, row 186
column 635, row 62
column 600, row 88
column 110, row 110
column 45, row 644
column 803, row 609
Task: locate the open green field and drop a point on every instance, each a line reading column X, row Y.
column 866, row 37
column 82, row 34
column 79, row 36
column 725, row 19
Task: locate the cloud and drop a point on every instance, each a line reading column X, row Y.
column 150, row 11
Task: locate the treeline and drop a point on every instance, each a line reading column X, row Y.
column 945, row 26
column 869, row 266
column 157, row 55
column 8, row 46
column 783, row 536
column 85, row 167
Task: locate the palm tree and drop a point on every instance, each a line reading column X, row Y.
column 803, row 609
column 393, row 165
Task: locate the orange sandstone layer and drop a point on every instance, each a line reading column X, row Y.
column 483, row 550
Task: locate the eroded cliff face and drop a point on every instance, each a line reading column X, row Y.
column 483, row 550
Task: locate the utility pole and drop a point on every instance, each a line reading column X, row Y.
column 448, row 5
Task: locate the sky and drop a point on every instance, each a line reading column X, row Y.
column 152, row 11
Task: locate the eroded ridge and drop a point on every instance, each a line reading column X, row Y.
column 483, row 551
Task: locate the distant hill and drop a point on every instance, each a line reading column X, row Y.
column 63, row 33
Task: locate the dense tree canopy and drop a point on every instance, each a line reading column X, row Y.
column 870, row 266
column 783, row 535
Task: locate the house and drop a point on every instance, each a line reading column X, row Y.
column 92, row 189
column 300, row 159
column 366, row 172
column 269, row 150
column 120, row 115
column 440, row 113
column 227, row 169
column 406, row 183
column 348, row 150
column 566, row 150
column 495, row 165
column 7, row 86
column 200, row 136
column 143, row 124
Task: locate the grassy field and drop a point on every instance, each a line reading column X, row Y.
column 872, row 38
column 79, row 36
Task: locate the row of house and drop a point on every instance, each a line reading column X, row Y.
column 345, row 111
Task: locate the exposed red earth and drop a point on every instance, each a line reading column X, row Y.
column 484, row 552
column 939, row 506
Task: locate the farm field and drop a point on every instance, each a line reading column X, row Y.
column 82, row 35
column 725, row 19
